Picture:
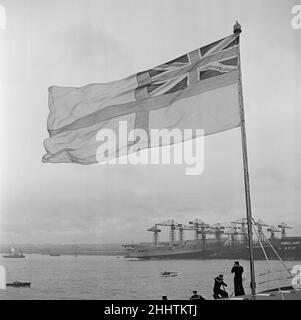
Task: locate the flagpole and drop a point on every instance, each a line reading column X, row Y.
column 237, row 29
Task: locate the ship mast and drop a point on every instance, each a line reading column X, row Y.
column 237, row 29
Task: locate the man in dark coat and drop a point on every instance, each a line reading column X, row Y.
column 217, row 291
column 196, row 296
column 238, row 271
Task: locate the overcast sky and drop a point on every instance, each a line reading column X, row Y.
column 77, row 42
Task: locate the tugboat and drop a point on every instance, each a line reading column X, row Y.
column 19, row 284
column 14, row 254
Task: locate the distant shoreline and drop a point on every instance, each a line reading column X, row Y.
column 66, row 249
column 72, row 254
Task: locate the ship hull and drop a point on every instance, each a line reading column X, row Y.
column 188, row 250
column 198, row 254
column 12, row 257
column 287, row 248
column 18, row 284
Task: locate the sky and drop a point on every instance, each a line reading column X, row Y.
column 77, row 42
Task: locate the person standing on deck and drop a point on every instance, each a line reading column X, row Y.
column 238, row 286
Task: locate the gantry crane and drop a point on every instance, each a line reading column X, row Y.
column 284, row 226
column 181, row 228
column 156, row 231
column 233, row 232
column 244, row 230
column 173, row 226
column 200, row 228
column 203, row 229
column 273, row 230
column 260, row 224
column 218, row 230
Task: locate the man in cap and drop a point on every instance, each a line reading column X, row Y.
column 196, row 296
column 217, row 291
column 238, row 286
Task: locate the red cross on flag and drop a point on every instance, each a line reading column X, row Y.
column 199, row 90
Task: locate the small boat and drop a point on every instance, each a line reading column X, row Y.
column 169, row 274
column 133, row 259
column 54, row 255
column 19, row 284
column 14, row 254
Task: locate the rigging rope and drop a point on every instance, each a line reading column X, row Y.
column 273, row 280
column 262, row 274
column 265, row 255
column 282, row 262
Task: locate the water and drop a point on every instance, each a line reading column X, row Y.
column 108, row 277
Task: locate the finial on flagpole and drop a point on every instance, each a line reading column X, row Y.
column 237, row 28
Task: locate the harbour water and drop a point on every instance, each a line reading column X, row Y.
column 109, row 277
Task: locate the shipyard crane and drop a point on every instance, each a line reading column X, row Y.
column 260, row 224
column 233, row 232
column 244, row 230
column 173, row 226
column 284, row 226
column 156, row 231
column 195, row 224
column 218, row 230
column 203, row 229
column 181, row 228
column 273, row 230
column 199, row 227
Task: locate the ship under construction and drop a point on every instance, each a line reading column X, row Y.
column 218, row 242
